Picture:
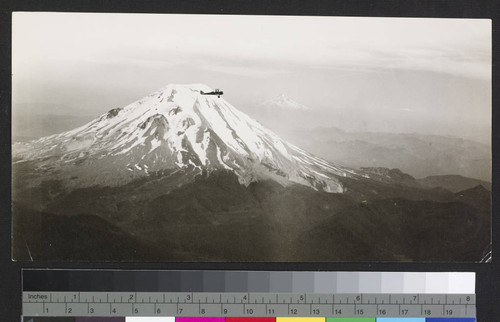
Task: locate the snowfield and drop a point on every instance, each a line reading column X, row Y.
column 177, row 127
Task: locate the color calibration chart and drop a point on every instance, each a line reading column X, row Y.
column 247, row 296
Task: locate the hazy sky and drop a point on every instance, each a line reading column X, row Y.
column 379, row 74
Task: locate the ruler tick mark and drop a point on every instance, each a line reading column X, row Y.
column 295, row 303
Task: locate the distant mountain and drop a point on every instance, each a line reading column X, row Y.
column 416, row 154
column 284, row 102
column 175, row 128
column 453, row 183
column 30, row 126
column 180, row 176
column 394, row 176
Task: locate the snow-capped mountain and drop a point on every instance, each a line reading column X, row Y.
column 285, row 102
column 175, row 128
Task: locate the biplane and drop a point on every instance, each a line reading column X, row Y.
column 217, row 92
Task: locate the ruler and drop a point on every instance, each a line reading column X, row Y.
column 225, row 304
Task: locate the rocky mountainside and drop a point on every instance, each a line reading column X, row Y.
column 387, row 175
column 180, row 176
column 175, row 128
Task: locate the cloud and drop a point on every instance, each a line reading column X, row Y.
column 246, row 71
column 456, row 46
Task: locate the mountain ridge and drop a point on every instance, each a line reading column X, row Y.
column 141, row 180
column 419, row 155
column 284, row 102
column 264, row 221
column 454, row 183
column 176, row 128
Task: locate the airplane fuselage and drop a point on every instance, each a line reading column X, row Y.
column 216, row 92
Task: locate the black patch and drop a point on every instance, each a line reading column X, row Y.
column 174, row 111
column 114, row 112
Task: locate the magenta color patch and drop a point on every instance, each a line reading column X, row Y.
column 201, row 319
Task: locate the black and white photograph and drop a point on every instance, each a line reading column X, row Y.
column 250, row 138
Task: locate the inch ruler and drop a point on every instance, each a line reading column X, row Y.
column 224, row 304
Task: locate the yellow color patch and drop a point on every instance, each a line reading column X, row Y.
column 294, row 319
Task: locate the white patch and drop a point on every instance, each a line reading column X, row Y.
column 199, row 148
column 282, row 149
column 155, row 143
column 302, row 160
column 193, row 164
column 321, row 174
column 220, row 159
column 122, row 134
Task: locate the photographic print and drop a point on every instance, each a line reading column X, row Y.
column 162, row 137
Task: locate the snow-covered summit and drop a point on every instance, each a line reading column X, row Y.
column 285, row 102
column 176, row 128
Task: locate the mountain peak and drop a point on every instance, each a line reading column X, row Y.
column 177, row 129
column 174, row 87
column 285, row 102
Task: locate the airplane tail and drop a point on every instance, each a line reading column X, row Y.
column 201, row 92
